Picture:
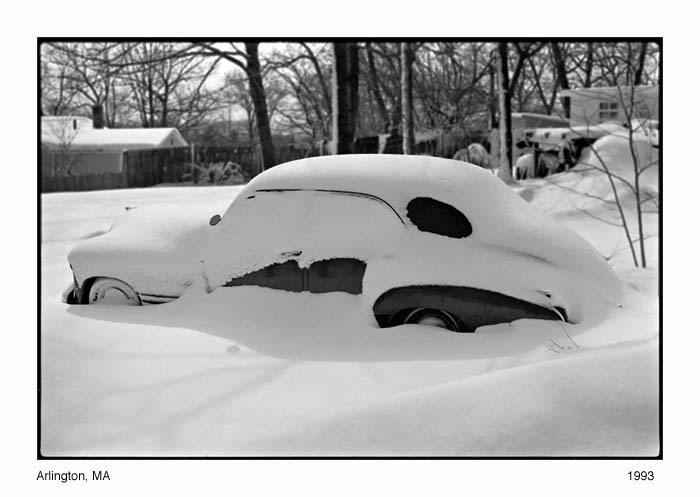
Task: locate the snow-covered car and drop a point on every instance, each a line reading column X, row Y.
column 419, row 240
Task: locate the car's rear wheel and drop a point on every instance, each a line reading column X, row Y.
column 112, row 292
column 433, row 317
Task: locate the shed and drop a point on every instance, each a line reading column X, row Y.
column 87, row 150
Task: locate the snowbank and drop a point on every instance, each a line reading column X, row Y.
column 614, row 153
column 243, row 372
column 583, row 198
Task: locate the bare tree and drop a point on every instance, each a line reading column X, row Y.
column 545, row 81
column 62, row 132
column 169, row 85
column 373, row 83
column 639, row 71
column 407, row 98
column 58, row 95
column 562, row 78
column 345, row 96
column 257, row 93
column 92, row 72
column 385, row 77
column 249, row 61
column 627, row 63
column 639, row 135
column 450, row 82
column 305, row 71
column 505, row 170
column 155, row 84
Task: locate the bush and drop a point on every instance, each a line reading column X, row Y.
column 219, row 173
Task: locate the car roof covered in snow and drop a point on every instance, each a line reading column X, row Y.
column 394, row 178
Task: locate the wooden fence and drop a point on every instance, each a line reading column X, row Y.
column 155, row 166
column 144, row 168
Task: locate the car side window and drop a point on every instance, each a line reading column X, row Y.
column 433, row 216
column 342, row 274
column 280, row 276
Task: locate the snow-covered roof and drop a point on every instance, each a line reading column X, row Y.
column 394, row 178
column 78, row 134
column 596, row 130
column 533, row 115
column 608, row 91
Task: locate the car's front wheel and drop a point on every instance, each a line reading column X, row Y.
column 433, row 317
column 112, row 291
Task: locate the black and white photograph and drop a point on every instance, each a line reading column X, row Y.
column 349, row 248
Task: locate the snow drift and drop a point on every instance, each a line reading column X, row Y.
column 245, row 372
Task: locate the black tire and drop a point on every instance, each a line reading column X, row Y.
column 434, row 317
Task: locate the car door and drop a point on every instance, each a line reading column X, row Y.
column 260, row 238
column 308, row 240
column 352, row 228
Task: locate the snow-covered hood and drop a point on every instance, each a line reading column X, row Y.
column 156, row 249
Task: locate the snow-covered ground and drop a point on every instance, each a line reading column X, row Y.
column 252, row 371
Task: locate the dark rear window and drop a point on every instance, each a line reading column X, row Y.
column 438, row 217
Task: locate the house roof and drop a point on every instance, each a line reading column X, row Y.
column 608, row 91
column 79, row 134
column 533, row 115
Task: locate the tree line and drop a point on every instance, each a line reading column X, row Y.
column 330, row 92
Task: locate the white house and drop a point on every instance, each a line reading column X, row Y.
column 612, row 104
column 91, row 150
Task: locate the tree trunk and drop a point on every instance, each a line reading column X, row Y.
column 251, row 128
column 548, row 105
column 639, row 73
column 257, row 94
column 345, row 97
column 561, row 77
column 395, row 126
column 505, row 169
column 589, row 66
column 164, row 113
column 151, row 104
column 407, row 98
column 374, row 87
column 493, row 123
